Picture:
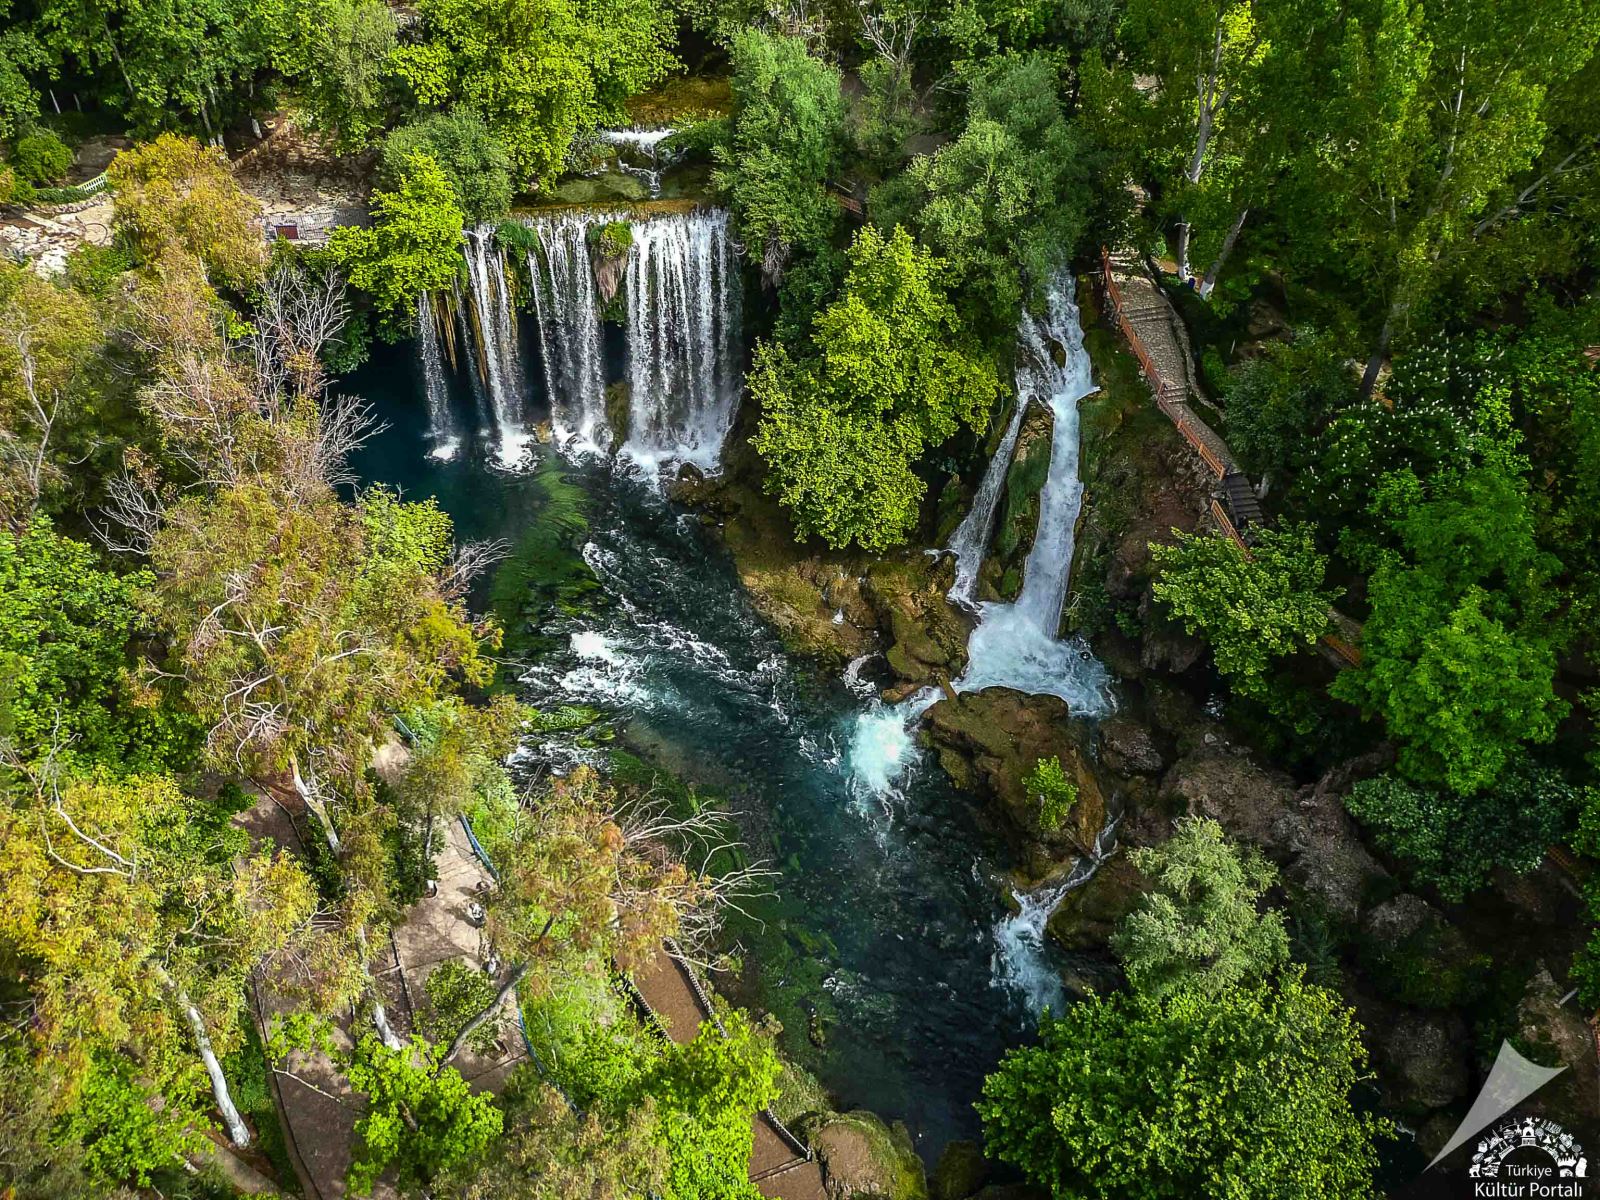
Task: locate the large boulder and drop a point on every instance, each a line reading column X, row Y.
column 1130, row 747
column 1421, row 1056
column 861, row 1156
column 1555, row 1034
column 925, row 634
column 1306, row 831
column 990, row 741
column 1087, row 916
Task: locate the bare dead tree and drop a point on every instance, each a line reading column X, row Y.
column 298, row 316
column 467, row 562
column 893, row 39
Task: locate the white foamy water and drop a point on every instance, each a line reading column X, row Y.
column 1020, row 962
column 1015, row 645
column 493, row 331
column 971, row 540
column 566, row 308
column 441, row 426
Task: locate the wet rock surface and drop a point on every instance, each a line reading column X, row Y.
column 989, row 741
column 861, row 1156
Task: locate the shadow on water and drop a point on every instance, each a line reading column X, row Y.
column 877, row 950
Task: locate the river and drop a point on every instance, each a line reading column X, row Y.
column 888, row 931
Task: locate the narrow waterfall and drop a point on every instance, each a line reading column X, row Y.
column 683, row 339
column 441, row 427
column 1015, row 645
column 1019, row 959
column 645, row 144
column 971, row 540
column 566, row 308
column 494, row 323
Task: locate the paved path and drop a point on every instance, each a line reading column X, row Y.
column 776, row 1168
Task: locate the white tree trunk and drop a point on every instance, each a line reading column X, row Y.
column 315, row 805
column 237, row 1133
column 380, row 1015
column 1209, row 283
column 1181, row 251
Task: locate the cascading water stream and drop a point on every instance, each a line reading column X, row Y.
column 646, row 143
column 441, row 426
column 566, row 305
column 683, row 339
column 1015, row 645
column 1020, row 962
column 971, row 538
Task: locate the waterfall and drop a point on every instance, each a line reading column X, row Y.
column 646, row 143
column 1019, row 959
column 683, row 339
column 494, row 318
column 1015, row 645
column 441, row 428
column 566, row 309
column 971, row 540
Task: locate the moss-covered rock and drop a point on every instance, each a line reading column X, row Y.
column 989, row 741
column 1087, row 916
column 926, row 635
column 619, row 410
column 861, row 1156
column 1018, row 518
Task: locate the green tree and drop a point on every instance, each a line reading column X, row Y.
column 461, row 144
column 1047, row 783
column 1453, row 841
column 1251, row 608
column 421, row 1118
column 174, row 192
column 1278, row 404
column 537, row 71
column 1241, row 1094
column 787, row 138
column 1458, row 656
column 1199, row 928
column 67, row 685
column 1005, row 204
column 414, row 245
column 336, row 55
column 894, row 373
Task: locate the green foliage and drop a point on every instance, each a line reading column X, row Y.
column 1047, row 782
column 1244, row 1093
column 414, row 245
column 894, row 373
column 1251, row 609
column 1006, row 203
column 537, row 72
column 420, row 1120
column 128, row 1131
column 1199, row 928
column 335, row 53
column 41, row 158
column 66, row 627
column 1453, row 841
column 460, row 143
column 1277, row 404
column 456, row 992
column 787, row 136
column 613, row 239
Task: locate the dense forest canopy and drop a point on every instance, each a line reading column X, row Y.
column 1379, row 223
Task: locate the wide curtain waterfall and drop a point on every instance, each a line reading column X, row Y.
column 683, row 348
column 493, row 334
column 681, row 282
column 566, row 309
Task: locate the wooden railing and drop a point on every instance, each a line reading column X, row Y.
column 1170, row 396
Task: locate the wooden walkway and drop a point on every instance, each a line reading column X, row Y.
column 1156, row 335
column 781, row 1166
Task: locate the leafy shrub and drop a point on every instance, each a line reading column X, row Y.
column 41, row 158
column 613, row 239
column 1048, row 783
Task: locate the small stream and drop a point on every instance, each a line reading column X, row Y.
column 888, row 949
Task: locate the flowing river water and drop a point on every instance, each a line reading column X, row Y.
column 888, row 947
